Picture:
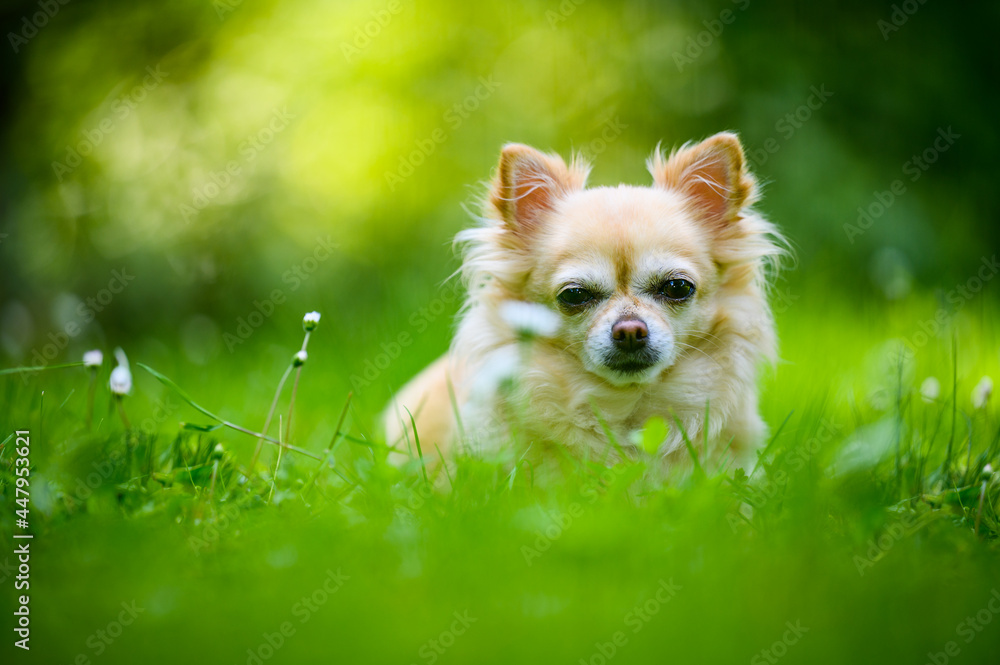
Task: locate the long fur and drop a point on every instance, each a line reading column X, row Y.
column 554, row 397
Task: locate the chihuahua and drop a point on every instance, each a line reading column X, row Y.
column 590, row 311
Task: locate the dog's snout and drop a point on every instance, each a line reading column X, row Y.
column 629, row 334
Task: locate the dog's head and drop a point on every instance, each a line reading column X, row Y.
column 636, row 273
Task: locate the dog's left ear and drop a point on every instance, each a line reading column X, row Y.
column 712, row 174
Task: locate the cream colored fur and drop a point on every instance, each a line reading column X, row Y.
column 542, row 226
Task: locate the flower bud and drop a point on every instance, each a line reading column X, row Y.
column 310, row 321
column 93, row 358
column 121, row 380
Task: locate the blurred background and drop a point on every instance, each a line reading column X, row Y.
column 187, row 179
column 178, row 176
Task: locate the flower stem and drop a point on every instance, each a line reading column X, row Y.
column 291, row 404
column 295, row 389
column 121, row 412
column 274, row 476
column 263, row 437
column 90, row 398
column 270, row 414
column 225, row 423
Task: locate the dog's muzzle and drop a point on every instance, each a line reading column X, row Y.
column 631, row 353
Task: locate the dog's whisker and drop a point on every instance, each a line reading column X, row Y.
column 705, row 336
column 701, row 351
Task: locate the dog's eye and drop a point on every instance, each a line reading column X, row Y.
column 676, row 289
column 574, row 296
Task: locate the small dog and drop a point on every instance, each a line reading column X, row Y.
column 593, row 310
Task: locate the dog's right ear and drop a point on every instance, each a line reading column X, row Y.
column 529, row 183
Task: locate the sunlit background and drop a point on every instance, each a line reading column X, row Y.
column 209, row 148
column 186, row 179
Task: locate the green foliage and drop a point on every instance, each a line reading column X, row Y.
column 250, row 161
column 866, row 492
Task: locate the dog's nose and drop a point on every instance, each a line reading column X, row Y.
column 629, row 334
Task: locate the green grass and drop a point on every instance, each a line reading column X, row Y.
column 873, row 524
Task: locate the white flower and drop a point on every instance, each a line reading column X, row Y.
column 310, row 321
column 93, row 358
column 121, row 376
column 121, row 380
column 981, row 393
column 299, row 359
column 988, row 468
column 529, row 319
column 930, row 389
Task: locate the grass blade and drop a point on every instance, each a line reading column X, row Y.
column 39, row 368
column 416, row 439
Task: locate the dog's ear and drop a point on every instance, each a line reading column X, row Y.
column 529, row 183
column 712, row 174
